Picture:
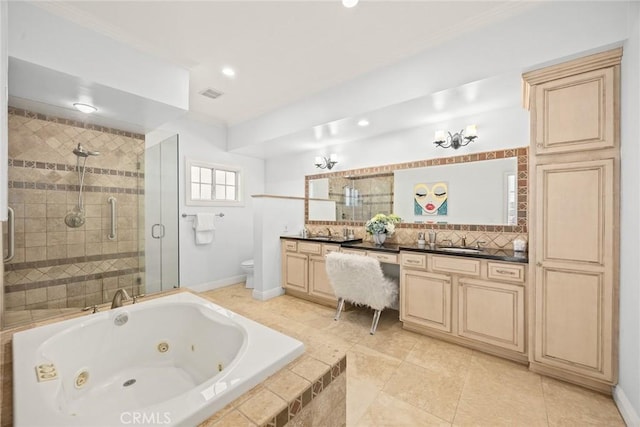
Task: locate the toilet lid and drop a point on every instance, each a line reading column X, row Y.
column 248, row 263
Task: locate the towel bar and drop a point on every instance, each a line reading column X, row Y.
column 184, row 215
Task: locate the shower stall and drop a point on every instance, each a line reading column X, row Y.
column 77, row 195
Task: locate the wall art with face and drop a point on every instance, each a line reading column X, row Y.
column 430, row 198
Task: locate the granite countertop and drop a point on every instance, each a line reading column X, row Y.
column 323, row 239
column 486, row 253
column 507, row 255
column 369, row 246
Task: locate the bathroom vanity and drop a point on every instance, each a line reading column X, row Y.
column 472, row 298
column 303, row 268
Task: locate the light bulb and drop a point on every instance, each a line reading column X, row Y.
column 85, row 108
column 471, row 131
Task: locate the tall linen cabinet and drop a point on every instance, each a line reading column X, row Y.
column 574, row 219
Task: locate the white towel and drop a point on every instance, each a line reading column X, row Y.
column 204, row 227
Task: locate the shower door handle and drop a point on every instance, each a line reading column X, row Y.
column 153, row 231
column 11, row 234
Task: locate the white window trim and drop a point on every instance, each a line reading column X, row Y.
column 240, row 183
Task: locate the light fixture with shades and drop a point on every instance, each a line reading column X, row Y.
column 85, row 108
column 349, row 3
column 456, row 140
column 326, row 162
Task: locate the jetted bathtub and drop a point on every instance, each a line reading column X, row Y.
column 174, row 360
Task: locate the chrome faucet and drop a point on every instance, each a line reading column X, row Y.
column 328, row 232
column 463, row 242
column 120, row 295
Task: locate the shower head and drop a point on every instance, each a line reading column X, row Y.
column 80, row 151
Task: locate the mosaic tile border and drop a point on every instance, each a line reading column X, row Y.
column 306, row 397
column 74, row 260
column 73, row 187
column 31, row 164
column 76, row 123
column 67, row 280
column 521, row 153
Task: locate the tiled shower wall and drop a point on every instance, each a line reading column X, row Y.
column 60, row 267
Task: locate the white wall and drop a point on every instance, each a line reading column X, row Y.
column 218, row 264
column 497, row 130
column 549, row 31
column 42, row 38
column 273, row 217
column 627, row 393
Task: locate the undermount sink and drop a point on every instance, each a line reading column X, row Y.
column 320, row 238
column 460, row 250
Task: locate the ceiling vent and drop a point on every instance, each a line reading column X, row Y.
column 211, row 93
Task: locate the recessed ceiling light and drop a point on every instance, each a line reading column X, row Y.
column 85, row 108
column 349, row 3
column 229, row 72
column 363, row 122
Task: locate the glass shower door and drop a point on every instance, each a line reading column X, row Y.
column 161, row 216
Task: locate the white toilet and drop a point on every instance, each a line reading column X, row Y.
column 247, row 267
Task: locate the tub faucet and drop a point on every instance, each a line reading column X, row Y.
column 120, row 295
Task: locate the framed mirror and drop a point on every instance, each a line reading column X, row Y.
column 482, row 191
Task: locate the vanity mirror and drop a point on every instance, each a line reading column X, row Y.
column 487, row 190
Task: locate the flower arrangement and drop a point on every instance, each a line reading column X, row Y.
column 382, row 223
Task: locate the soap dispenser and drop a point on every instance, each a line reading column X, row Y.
column 432, row 238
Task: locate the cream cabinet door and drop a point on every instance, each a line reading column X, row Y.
column 426, row 299
column 574, row 270
column 492, row 312
column 295, row 274
column 575, row 113
column 319, row 284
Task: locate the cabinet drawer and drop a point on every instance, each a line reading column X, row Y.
column 414, row 260
column 512, row 273
column 310, row 248
column 290, row 245
column 327, row 249
column 470, row 267
column 384, row 257
column 353, row 252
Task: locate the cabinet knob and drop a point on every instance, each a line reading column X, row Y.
column 539, row 264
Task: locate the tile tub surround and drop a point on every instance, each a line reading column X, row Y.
column 56, row 266
column 312, row 387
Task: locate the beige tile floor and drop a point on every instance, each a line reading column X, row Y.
column 399, row 378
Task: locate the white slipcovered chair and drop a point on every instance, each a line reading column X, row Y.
column 359, row 279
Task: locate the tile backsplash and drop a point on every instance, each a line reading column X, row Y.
column 56, row 266
column 409, row 235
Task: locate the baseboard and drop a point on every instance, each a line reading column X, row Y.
column 268, row 294
column 202, row 287
column 628, row 412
